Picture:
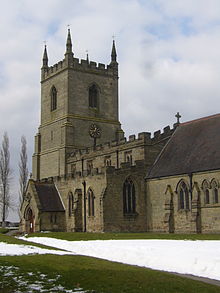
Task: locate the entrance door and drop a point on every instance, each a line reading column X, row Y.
column 29, row 221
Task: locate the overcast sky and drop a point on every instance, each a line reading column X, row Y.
column 168, row 53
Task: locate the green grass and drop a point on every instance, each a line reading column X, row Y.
column 3, row 230
column 98, row 275
column 12, row 240
column 103, row 276
column 76, row 236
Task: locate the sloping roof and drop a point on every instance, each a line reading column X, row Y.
column 194, row 147
column 49, row 197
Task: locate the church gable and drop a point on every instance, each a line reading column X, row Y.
column 194, row 147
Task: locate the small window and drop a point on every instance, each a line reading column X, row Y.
column 89, row 166
column 128, row 157
column 91, row 203
column 73, row 169
column 53, row 218
column 93, row 97
column 108, row 161
column 53, row 96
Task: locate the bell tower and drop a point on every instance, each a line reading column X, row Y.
column 79, row 109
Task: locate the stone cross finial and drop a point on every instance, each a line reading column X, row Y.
column 178, row 116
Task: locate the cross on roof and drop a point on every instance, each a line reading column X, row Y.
column 178, row 116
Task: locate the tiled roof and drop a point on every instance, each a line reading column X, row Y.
column 194, row 147
column 49, row 197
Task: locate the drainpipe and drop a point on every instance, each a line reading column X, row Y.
column 117, row 159
column 190, row 186
column 84, row 209
column 82, row 166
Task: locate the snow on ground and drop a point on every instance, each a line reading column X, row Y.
column 199, row 258
column 15, row 249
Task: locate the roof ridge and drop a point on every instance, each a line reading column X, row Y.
column 200, row 119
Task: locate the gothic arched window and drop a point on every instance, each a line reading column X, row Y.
column 91, row 203
column 183, row 196
column 129, row 201
column 214, row 186
column 216, row 195
column 93, row 96
column 53, row 97
column 70, row 203
column 205, row 187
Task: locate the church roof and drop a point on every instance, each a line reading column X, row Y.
column 193, row 147
column 49, row 197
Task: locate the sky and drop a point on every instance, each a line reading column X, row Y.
column 168, row 53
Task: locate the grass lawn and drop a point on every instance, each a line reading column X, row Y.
column 77, row 236
column 12, row 240
column 3, row 230
column 94, row 275
column 98, row 275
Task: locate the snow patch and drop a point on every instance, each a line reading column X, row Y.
column 199, row 258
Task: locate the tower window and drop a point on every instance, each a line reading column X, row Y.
column 53, row 96
column 93, row 96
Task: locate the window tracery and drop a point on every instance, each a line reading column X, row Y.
column 129, row 200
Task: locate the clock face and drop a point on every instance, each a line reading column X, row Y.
column 94, row 131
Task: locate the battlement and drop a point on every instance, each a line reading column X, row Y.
column 80, row 65
column 142, row 138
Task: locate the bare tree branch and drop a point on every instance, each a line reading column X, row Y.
column 5, row 173
column 23, row 169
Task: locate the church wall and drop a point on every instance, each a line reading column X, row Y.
column 53, row 221
column 97, row 182
column 114, row 218
column 79, row 83
column 210, row 213
column 201, row 217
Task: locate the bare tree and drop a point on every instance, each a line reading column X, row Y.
column 5, row 173
column 23, row 169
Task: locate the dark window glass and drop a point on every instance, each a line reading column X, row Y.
column 129, row 201
column 53, row 98
column 93, row 97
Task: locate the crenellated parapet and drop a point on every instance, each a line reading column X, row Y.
column 80, row 65
column 142, row 139
column 70, row 62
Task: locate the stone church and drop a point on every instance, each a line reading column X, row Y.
column 88, row 177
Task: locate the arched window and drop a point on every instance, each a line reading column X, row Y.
column 216, row 195
column 53, row 96
column 183, row 196
column 205, row 187
column 214, row 186
column 93, row 96
column 207, row 196
column 71, row 203
column 129, row 202
column 91, row 203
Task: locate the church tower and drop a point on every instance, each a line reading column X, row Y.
column 79, row 109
